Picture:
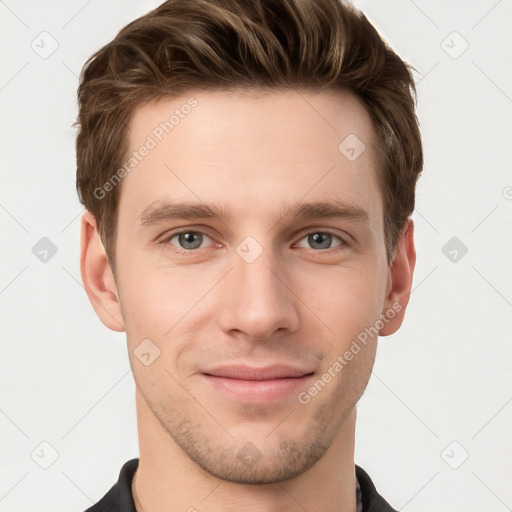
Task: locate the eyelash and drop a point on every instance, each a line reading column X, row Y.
column 191, row 252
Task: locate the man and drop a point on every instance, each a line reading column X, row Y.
column 248, row 170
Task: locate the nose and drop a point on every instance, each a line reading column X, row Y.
column 259, row 299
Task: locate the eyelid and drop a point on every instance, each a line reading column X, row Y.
column 343, row 239
column 165, row 240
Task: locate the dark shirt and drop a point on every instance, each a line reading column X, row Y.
column 120, row 499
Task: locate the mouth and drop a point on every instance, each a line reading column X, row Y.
column 257, row 385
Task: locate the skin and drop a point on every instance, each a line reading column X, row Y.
column 255, row 154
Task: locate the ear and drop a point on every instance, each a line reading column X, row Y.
column 97, row 275
column 399, row 283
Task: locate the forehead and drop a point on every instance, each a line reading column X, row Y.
column 252, row 152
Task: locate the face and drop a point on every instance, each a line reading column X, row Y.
column 250, row 256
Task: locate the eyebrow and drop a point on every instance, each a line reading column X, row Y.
column 160, row 212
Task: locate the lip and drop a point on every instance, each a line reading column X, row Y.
column 257, row 385
column 244, row 372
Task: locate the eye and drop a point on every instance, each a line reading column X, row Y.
column 322, row 240
column 188, row 240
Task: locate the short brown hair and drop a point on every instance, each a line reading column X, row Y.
column 186, row 45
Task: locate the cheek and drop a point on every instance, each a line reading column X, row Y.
column 168, row 306
column 158, row 296
column 347, row 300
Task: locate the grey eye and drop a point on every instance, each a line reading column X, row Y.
column 189, row 239
column 321, row 240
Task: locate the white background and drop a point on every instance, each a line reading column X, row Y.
column 445, row 377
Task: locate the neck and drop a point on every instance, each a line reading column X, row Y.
column 167, row 479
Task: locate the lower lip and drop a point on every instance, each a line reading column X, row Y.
column 257, row 391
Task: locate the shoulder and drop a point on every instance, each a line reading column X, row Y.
column 119, row 498
column 372, row 500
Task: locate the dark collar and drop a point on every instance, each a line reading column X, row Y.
column 119, row 498
column 372, row 500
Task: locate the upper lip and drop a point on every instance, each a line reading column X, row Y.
column 243, row 372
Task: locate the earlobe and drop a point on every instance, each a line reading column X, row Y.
column 97, row 275
column 399, row 281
